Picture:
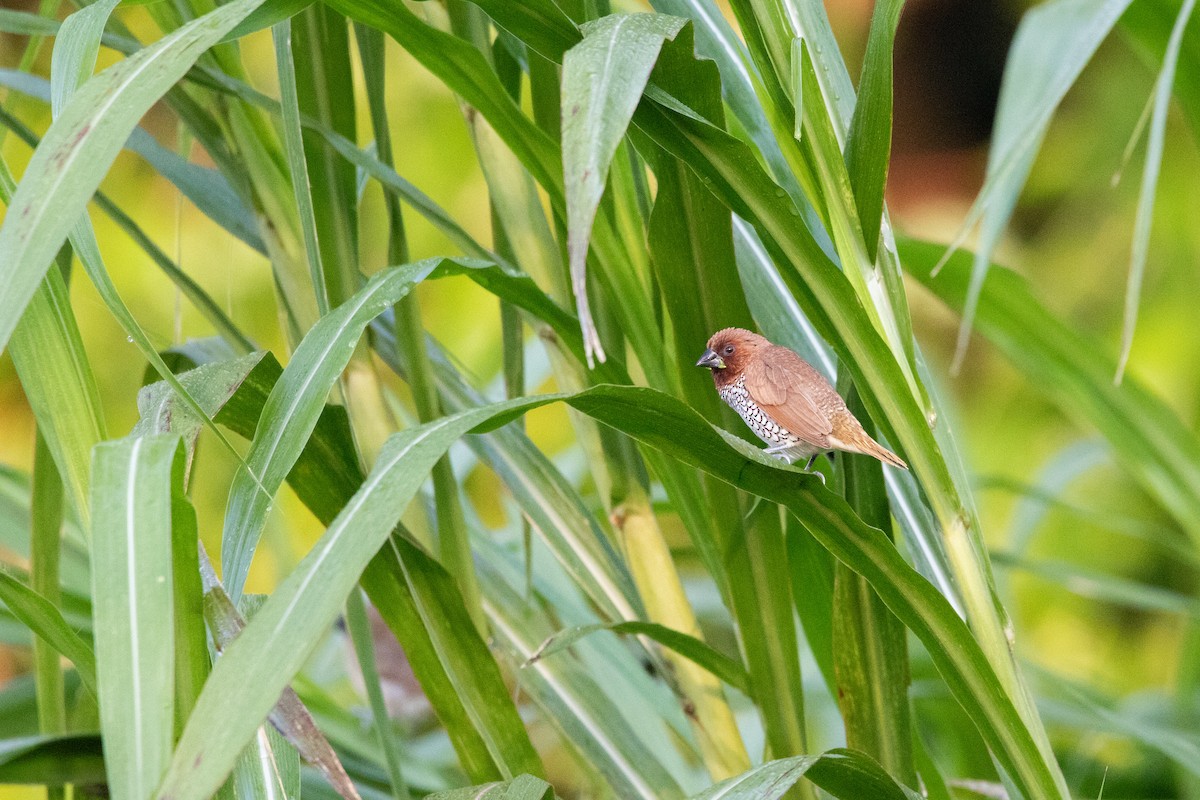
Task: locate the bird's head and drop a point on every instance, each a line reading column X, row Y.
column 728, row 352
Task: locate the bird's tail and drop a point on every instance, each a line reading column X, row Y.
column 860, row 442
column 883, row 454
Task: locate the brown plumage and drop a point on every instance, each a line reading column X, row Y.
column 785, row 401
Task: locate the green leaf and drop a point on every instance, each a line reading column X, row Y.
column 321, row 42
column 161, row 410
column 463, row 68
column 326, row 476
column 191, row 641
column 555, row 508
column 47, row 351
column 133, row 483
column 207, row 188
column 716, row 40
column 263, row 659
column 1145, row 207
column 522, row 787
column 297, row 162
column 539, row 24
column 269, row 14
column 269, row 769
column 23, row 23
column 603, row 79
column 77, row 46
column 53, row 760
column 292, row 411
column 690, row 236
column 75, row 51
column 719, row 664
column 869, row 646
column 1053, row 44
column 811, row 570
column 359, row 626
column 869, row 141
column 442, row 660
column 44, row 619
column 1148, row 28
column 289, row 717
column 843, row 773
column 81, row 145
column 219, row 386
column 45, row 549
column 437, row 603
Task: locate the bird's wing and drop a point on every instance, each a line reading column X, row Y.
column 782, row 384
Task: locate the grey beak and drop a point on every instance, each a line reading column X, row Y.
column 710, row 360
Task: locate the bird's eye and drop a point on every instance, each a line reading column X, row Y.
column 728, row 349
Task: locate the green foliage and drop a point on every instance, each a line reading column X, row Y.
column 609, row 603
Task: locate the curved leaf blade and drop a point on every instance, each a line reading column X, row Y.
column 80, row 147
column 603, row 79
column 293, row 409
column 45, row 620
column 692, row 648
column 869, row 141
column 843, row 773
column 1053, row 44
column 1145, row 207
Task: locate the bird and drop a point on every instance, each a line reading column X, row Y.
column 785, row 400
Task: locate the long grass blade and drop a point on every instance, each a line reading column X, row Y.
column 281, row 33
column 133, row 483
column 359, row 625
column 47, row 351
column 1053, row 44
column 293, row 409
column 81, row 145
column 585, row 711
column 45, row 549
column 522, row 787
column 719, row 664
column 603, row 79
column 42, row 617
column 322, row 72
column 869, row 141
column 869, row 647
column 290, row 717
column 843, row 773
column 1145, row 207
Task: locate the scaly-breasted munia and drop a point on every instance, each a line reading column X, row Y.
column 785, row 401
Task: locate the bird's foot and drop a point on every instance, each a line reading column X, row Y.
column 808, row 468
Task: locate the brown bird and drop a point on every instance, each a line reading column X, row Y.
column 785, row 401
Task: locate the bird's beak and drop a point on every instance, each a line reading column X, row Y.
column 710, row 360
